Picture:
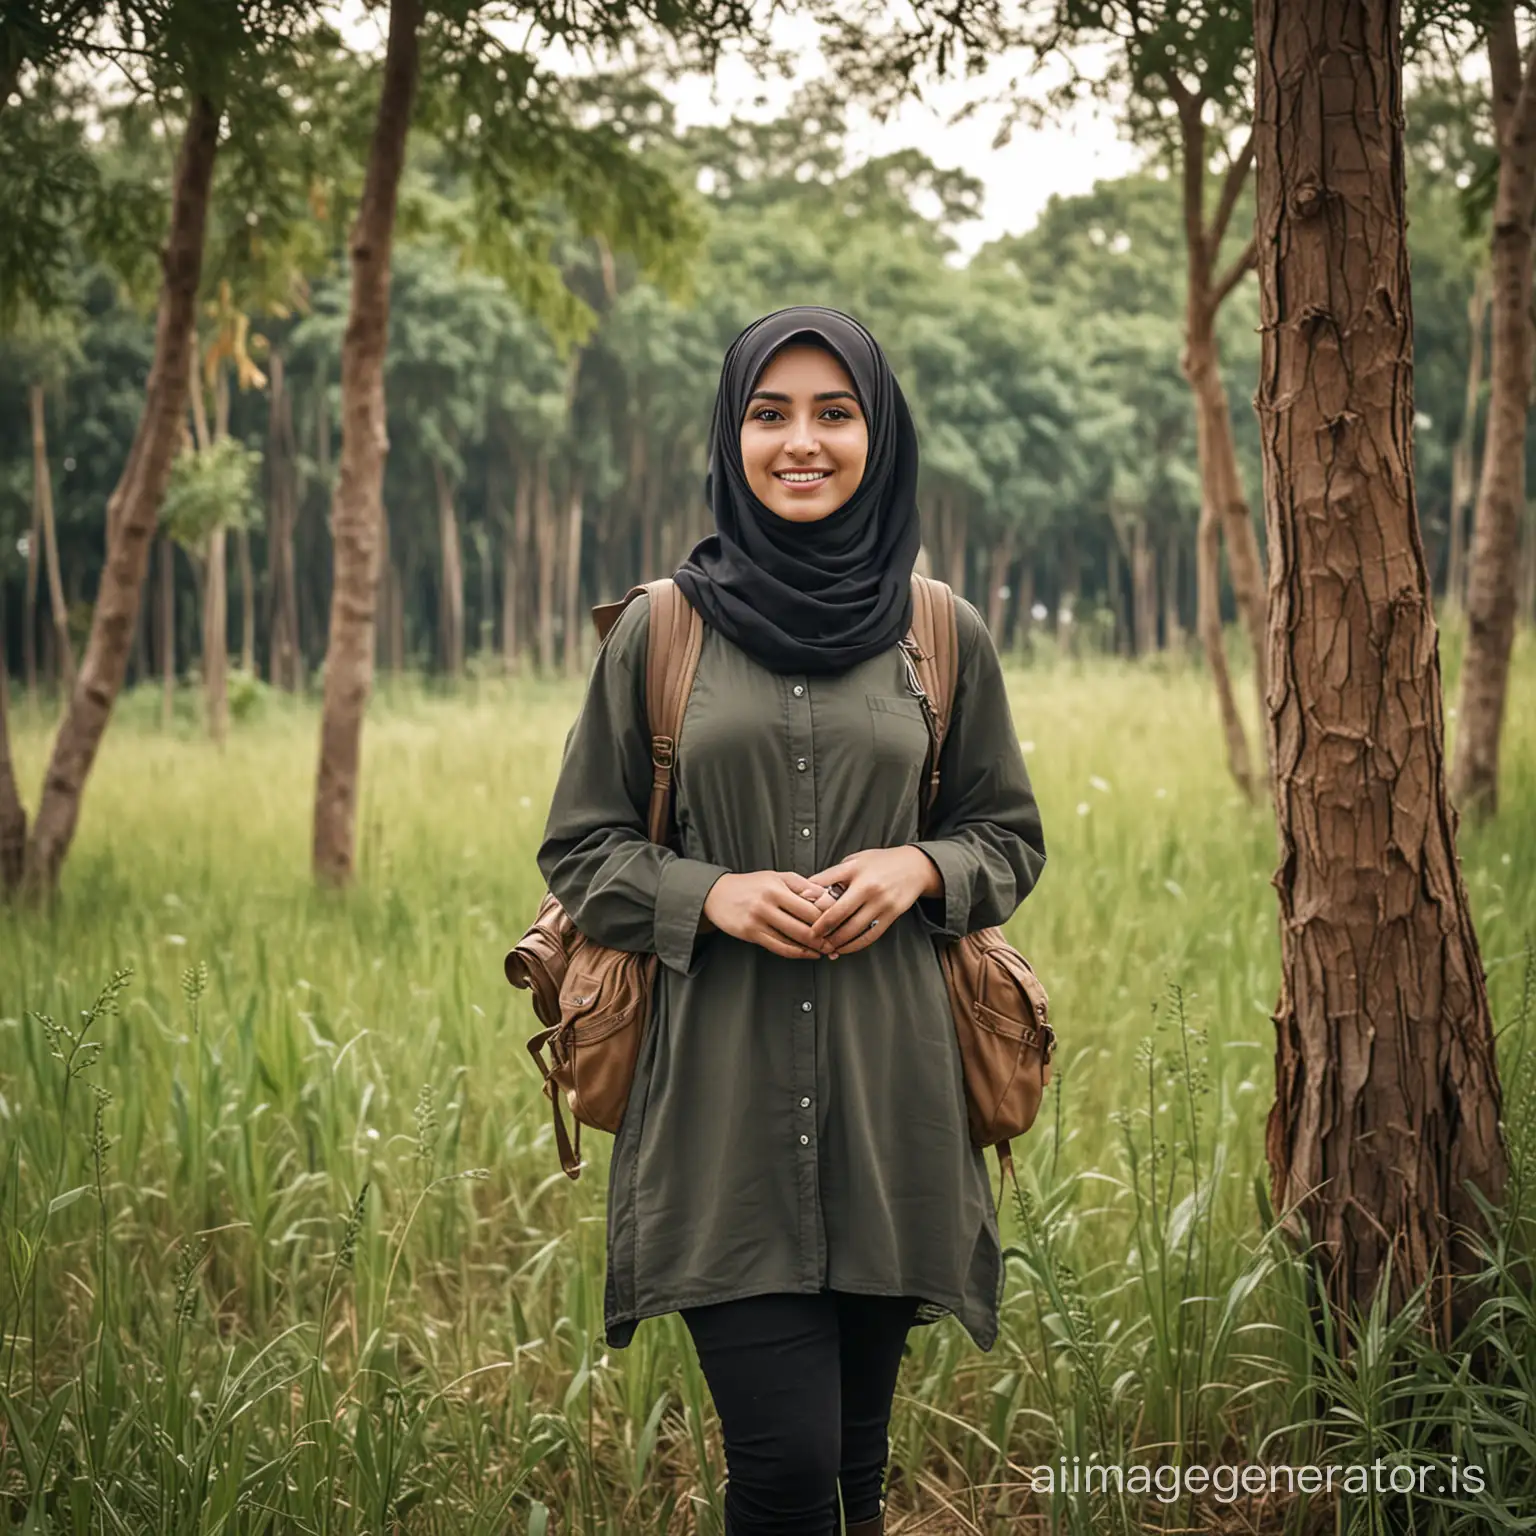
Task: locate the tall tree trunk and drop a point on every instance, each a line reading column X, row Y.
column 1388, row 1099
column 29, row 598
column 544, row 542
column 997, row 579
column 959, row 518
column 1023, row 612
column 132, row 511
column 451, row 603
column 1464, row 455
column 1491, row 593
column 1115, row 592
column 42, row 492
column 1212, row 643
column 514, row 545
column 1143, row 588
column 13, row 814
column 573, row 628
column 247, row 601
column 167, row 631
column 1173, row 628
column 355, row 508
column 1221, row 486
column 283, row 656
column 216, row 635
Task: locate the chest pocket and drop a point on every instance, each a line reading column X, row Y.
column 898, row 731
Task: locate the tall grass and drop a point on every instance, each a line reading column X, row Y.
column 288, row 1248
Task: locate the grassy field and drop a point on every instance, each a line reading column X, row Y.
column 313, row 1266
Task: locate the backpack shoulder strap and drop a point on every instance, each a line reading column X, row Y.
column 673, row 642
column 935, row 637
column 672, row 657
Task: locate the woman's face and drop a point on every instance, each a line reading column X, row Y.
column 804, row 439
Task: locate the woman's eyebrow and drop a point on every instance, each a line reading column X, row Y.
column 826, row 394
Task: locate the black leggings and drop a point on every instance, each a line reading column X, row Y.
column 803, row 1386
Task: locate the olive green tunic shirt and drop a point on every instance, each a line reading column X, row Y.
column 794, row 1124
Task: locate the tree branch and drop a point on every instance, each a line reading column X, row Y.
column 1231, row 190
column 1247, row 258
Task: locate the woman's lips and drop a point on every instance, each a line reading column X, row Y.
column 803, row 485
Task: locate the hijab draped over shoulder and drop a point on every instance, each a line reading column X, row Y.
column 821, row 596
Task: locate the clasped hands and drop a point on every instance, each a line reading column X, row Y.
column 835, row 912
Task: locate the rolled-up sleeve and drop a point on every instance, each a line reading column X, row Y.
column 619, row 888
column 984, row 830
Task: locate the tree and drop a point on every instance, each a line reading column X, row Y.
column 1492, row 593
column 522, row 141
column 132, row 511
column 1183, row 70
column 1387, row 1097
column 196, row 65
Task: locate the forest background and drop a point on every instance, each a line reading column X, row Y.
column 286, row 1245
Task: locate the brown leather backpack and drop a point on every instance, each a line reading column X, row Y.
column 595, row 1002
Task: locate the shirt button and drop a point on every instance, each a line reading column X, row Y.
column 800, row 764
column 805, row 1141
column 805, row 831
column 799, row 689
column 805, row 1007
column 805, row 1103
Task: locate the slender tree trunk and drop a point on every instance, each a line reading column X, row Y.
column 355, row 508
column 42, row 491
column 1221, row 487
column 216, row 635
column 1464, row 455
column 167, row 631
column 544, row 540
column 1212, row 643
column 451, row 604
column 1143, row 588
column 247, row 601
column 29, row 598
column 1388, row 1099
column 959, row 518
column 132, row 511
column 283, row 655
column 1491, row 595
column 573, row 629
column 1173, row 629
column 1221, row 484
column 13, row 814
column 514, row 541
column 998, row 563
column 1024, row 610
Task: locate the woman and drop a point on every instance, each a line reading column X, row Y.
column 794, row 1172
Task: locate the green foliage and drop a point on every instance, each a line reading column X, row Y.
column 208, row 490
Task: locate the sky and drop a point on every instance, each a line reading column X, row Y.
column 1067, row 157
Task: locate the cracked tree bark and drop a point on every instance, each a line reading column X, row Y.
column 1387, row 1095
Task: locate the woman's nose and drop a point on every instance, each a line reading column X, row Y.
column 802, row 436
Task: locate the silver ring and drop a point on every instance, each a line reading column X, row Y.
column 874, row 922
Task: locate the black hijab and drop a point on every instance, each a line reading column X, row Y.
column 819, row 596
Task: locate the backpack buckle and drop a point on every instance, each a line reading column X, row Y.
column 661, row 751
